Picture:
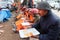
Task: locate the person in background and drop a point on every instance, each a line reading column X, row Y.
column 48, row 23
column 24, row 2
column 30, row 3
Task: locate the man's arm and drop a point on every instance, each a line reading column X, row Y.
column 37, row 26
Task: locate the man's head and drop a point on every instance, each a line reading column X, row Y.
column 43, row 8
column 42, row 12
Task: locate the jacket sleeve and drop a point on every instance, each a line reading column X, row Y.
column 53, row 31
column 37, row 26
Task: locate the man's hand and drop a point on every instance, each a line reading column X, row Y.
column 35, row 37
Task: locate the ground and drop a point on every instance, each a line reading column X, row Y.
column 8, row 34
column 56, row 12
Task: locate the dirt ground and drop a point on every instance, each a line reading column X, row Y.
column 7, row 33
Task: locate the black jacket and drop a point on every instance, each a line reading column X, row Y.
column 48, row 25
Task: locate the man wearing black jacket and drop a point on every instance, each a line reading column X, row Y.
column 48, row 23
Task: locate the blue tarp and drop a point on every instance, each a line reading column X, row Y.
column 8, row 13
column 4, row 14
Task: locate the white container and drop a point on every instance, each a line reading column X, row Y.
column 25, row 33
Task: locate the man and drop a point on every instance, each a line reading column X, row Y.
column 48, row 23
column 24, row 2
column 30, row 3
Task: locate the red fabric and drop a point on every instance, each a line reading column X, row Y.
column 34, row 10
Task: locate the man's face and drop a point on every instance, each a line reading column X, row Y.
column 42, row 12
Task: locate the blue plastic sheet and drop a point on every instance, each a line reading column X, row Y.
column 8, row 13
column 4, row 14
